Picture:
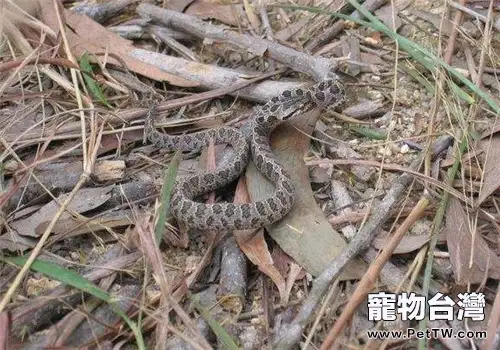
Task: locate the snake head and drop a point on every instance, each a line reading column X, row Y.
column 329, row 93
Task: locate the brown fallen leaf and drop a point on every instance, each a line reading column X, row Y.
column 491, row 170
column 251, row 16
column 388, row 14
column 254, row 245
column 372, row 60
column 18, row 118
column 85, row 200
column 305, row 234
column 86, row 35
column 444, row 25
column 232, row 14
column 407, row 244
column 71, row 227
column 14, row 242
column 485, row 262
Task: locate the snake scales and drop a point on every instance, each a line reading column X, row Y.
column 229, row 216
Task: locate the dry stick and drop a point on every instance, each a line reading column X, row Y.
column 317, row 67
column 494, row 319
column 153, row 254
column 395, row 167
column 292, row 333
column 453, row 35
column 24, row 46
column 74, row 78
column 83, row 179
column 57, row 61
column 486, row 41
column 135, row 113
column 370, row 278
column 474, row 14
column 19, row 67
column 40, row 244
column 441, row 211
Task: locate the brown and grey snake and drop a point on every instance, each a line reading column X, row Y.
column 229, row 216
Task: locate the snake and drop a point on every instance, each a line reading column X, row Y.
column 253, row 144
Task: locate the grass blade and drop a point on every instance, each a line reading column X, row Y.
column 422, row 55
column 72, row 279
column 370, row 133
column 226, row 341
column 166, row 195
column 92, row 85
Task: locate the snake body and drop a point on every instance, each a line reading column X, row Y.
column 229, row 216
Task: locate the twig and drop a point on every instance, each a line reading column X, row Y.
column 453, row 35
column 317, row 67
column 473, row 13
column 161, row 34
column 484, row 46
column 19, row 67
column 38, row 248
column 268, row 30
column 75, row 84
column 31, row 136
column 89, row 158
column 370, row 277
column 293, row 332
column 395, row 167
column 58, row 61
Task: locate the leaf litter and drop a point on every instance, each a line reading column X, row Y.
column 197, row 288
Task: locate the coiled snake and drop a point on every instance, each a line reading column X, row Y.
column 229, row 216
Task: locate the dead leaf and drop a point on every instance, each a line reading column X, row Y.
column 389, row 16
column 254, row 245
column 485, row 263
column 440, row 23
column 19, row 118
column 372, row 60
column 252, row 17
column 85, row 200
column 319, row 174
column 407, row 244
column 289, row 268
column 228, row 14
column 304, row 234
column 491, row 170
column 86, row 35
column 14, row 242
column 71, row 227
column 293, row 274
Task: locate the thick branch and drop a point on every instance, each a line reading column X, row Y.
column 317, row 67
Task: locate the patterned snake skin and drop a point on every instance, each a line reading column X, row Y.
column 229, row 216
